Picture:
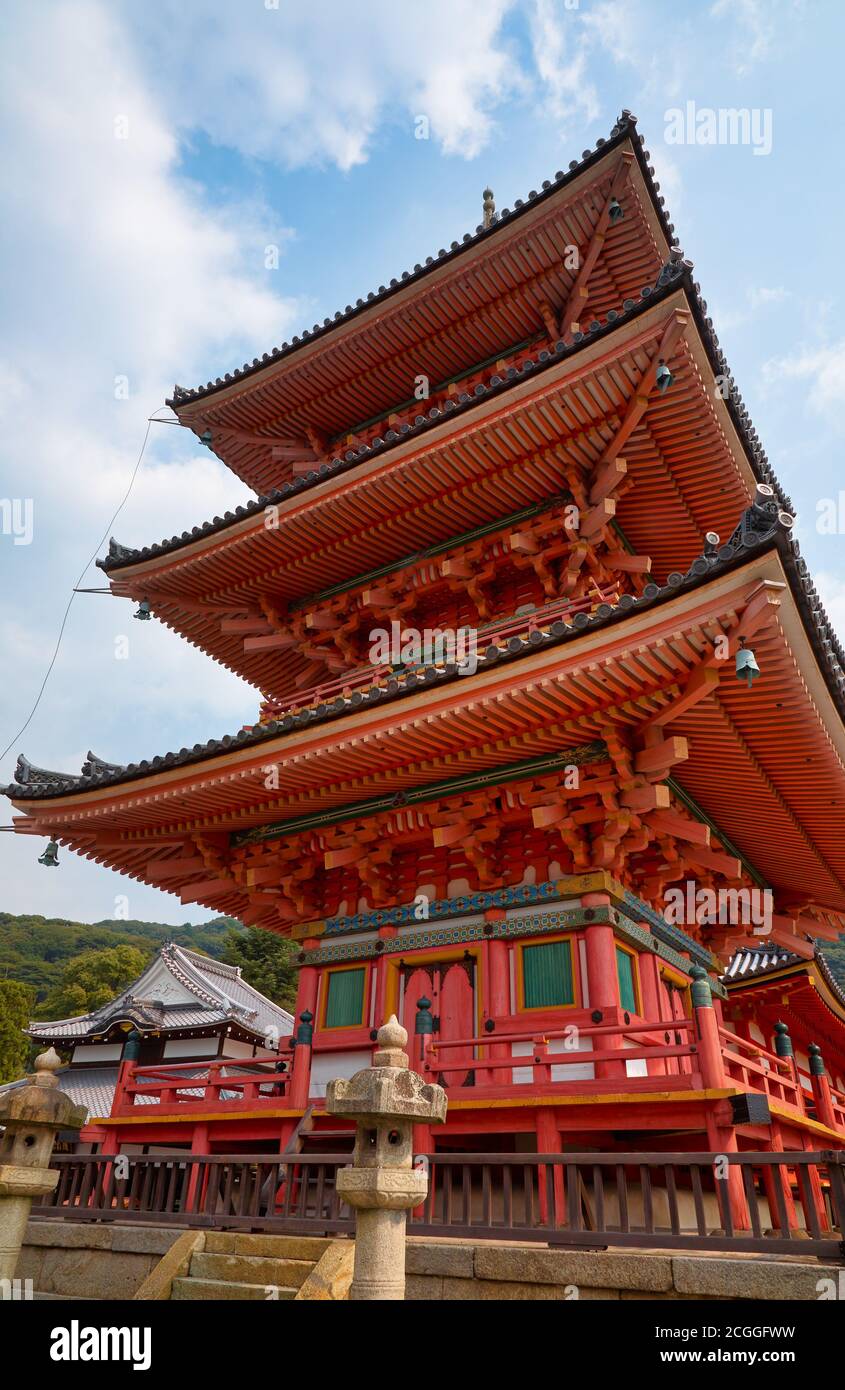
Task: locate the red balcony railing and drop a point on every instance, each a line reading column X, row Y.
column 538, row 620
column 757, row 1069
column 492, row 1063
column 180, row 1085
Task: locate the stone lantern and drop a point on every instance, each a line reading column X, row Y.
column 31, row 1115
column 385, row 1100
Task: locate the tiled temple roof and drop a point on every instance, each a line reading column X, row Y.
column 676, row 274
column 221, row 994
column 767, row 959
column 762, row 526
column 625, row 127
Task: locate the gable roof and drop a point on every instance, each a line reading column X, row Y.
column 203, row 992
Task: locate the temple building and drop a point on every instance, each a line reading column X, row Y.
column 543, row 845
column 186, row 1007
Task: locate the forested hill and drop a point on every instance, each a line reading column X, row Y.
column 34, row 950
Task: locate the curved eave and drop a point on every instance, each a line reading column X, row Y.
column 443, row 424
column 779, row 748
column 471, row 469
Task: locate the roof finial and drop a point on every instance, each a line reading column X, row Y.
column 489, row 208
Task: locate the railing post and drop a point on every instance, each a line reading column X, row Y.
column 706, row 1030
column 498, row 1006
column 721, row 1137
column 126, row 1071
column 785, row 1050
column 423, row 1030
column 300, row 1082
column 603, row 985
column 821, row 1087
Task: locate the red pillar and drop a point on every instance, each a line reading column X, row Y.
column 721, row 1138
column 196, row 1184
column 821, row 1088
column 548, row 1142
column 300, row 1082
column 650, row 990
column 603, row 983
column 498, row 1005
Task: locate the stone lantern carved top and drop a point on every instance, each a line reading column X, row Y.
column 388, row 1090
column 391, row 1038
column 40, row 1103
column 46, row 1068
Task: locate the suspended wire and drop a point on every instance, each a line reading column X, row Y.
column 75, row 589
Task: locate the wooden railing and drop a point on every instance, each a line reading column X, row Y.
column 757, row 1069
column 180, row 1084
column 502, row 628
column 837, row 1099
column 786, row 1202
column 286, row 1191
column 491, row 1062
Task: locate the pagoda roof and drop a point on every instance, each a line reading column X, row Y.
column 179, row 989
column 34, row 783
column 496, row 287
column 675, row 275
column 514, row 439
column 780, row 749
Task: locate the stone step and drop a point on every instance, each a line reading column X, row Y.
column 279, row 1247
column 197, row 1290
column 39, row 1297
column 251, row 1269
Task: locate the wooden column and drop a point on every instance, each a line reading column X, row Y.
column 548, row 1142
column 498, row 1004
column 650, row 991
column 720, row 1137
column 603, row 982
column 821, row 1088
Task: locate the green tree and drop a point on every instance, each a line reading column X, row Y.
column 16, row 1004
column 266, row 961
column 92, row 980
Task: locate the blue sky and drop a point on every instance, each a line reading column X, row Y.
column 154, row 152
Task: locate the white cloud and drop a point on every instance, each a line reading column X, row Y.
column 560, row 49
column 821, row 368
column 313, row 83
column 113, row 266
column 754, row 30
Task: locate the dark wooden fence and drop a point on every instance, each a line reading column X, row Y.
column 746, row 1202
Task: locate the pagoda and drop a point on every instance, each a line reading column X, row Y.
column 552, row 720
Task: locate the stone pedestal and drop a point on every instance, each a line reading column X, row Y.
column 31, row 1115
column 385, row 1100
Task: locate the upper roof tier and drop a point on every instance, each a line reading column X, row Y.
column 514, row 282
column 690, row 462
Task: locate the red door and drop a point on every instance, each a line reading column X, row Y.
column 450, row 986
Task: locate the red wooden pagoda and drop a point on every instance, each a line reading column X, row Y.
column 489, row 847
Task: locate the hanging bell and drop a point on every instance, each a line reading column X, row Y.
column 614, row 210
column 205, row 438
column 664, row 378
column 746, row 664
column 143, row 612
column 50, row 857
